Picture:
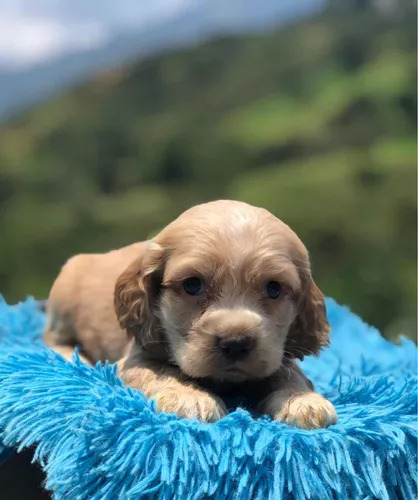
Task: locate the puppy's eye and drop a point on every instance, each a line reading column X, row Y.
column 193, row 286
column 274, row 289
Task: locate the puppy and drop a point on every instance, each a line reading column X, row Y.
column 218, row 305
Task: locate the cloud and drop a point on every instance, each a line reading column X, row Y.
column 25, row 41
column 32, row 31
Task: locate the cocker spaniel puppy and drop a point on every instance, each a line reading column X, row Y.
column 217, row 307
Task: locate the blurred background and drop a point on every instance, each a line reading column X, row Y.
column 117, row 116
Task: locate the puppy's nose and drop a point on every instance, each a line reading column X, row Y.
column 238, row 348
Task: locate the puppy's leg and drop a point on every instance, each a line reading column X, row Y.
column 60, row 336
column 171, row 392
column 52, row 339
column 295, row 402
column 67, row 353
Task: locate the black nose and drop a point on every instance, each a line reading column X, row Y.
column 237, row 348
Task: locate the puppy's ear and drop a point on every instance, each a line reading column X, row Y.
column 136, row 293
column 310, row 330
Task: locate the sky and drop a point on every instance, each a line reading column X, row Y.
column 33, row 31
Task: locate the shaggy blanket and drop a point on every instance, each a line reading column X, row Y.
column 97, row 439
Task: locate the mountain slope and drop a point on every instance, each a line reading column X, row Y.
column 203, row 19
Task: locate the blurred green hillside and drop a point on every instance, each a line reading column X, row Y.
column 315, row 122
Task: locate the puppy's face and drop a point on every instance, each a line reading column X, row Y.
column 230, row 288
column 227, row 301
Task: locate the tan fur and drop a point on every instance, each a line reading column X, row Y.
column 80, row 306
column 171, row 390
column 236, row 249
column 293, row 401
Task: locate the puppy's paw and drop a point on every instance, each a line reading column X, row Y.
column 190, row 404
column 308, row 411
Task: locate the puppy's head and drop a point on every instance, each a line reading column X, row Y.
column 227, row 289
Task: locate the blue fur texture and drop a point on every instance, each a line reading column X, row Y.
column 97, row 439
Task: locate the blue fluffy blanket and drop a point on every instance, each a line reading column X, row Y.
column 97, row 439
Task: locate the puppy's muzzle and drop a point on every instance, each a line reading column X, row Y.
column 236, row 349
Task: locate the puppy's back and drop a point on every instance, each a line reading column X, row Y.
column 80, row 305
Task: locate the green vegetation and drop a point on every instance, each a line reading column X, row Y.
column 315, row 122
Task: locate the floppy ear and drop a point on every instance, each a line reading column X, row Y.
column 310, row 329
column 136, row 293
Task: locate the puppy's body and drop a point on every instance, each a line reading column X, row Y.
column 217, row 304
column 80, row 306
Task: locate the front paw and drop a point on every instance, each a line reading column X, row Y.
column 191, row 404
column 308, row 411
